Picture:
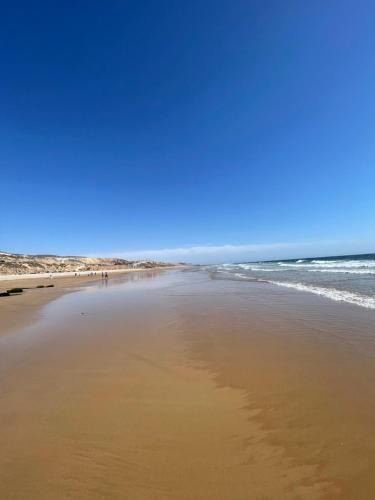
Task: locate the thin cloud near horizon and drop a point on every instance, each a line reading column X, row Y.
column 217, row 252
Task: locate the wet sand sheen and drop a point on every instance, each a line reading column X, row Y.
column 186, row 388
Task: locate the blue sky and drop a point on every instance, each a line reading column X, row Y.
column 203, row 131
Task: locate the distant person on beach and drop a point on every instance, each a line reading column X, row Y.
column 106, row 276
column 102, row 275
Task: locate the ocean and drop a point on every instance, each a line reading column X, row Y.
column 348, row 278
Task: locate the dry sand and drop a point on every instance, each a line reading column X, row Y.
column 173, row 386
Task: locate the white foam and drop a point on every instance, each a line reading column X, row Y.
column 332, row 293
column 256, row 267
column 327, row 265
column 242, row 276
column 345, row 271
column 305, row 268
column 246, row 266
column 267, row 270
column 343, row 263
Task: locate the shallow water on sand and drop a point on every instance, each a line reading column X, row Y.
column 173, row 385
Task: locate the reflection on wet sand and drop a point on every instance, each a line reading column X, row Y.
column 184, row 387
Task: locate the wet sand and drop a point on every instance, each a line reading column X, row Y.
column 20, row 309
column 173, row 385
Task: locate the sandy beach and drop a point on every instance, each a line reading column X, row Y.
column 169, row 384
column 187, row 250
column 18, row 310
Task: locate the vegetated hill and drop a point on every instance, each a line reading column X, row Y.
column 11, row 263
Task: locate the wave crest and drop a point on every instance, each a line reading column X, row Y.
column 332, row 293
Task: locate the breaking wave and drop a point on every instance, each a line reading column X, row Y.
column 343, row 279
column 332, row 293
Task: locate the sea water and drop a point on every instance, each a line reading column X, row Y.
column 349, row 278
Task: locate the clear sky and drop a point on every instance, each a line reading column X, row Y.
column 187, row 130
